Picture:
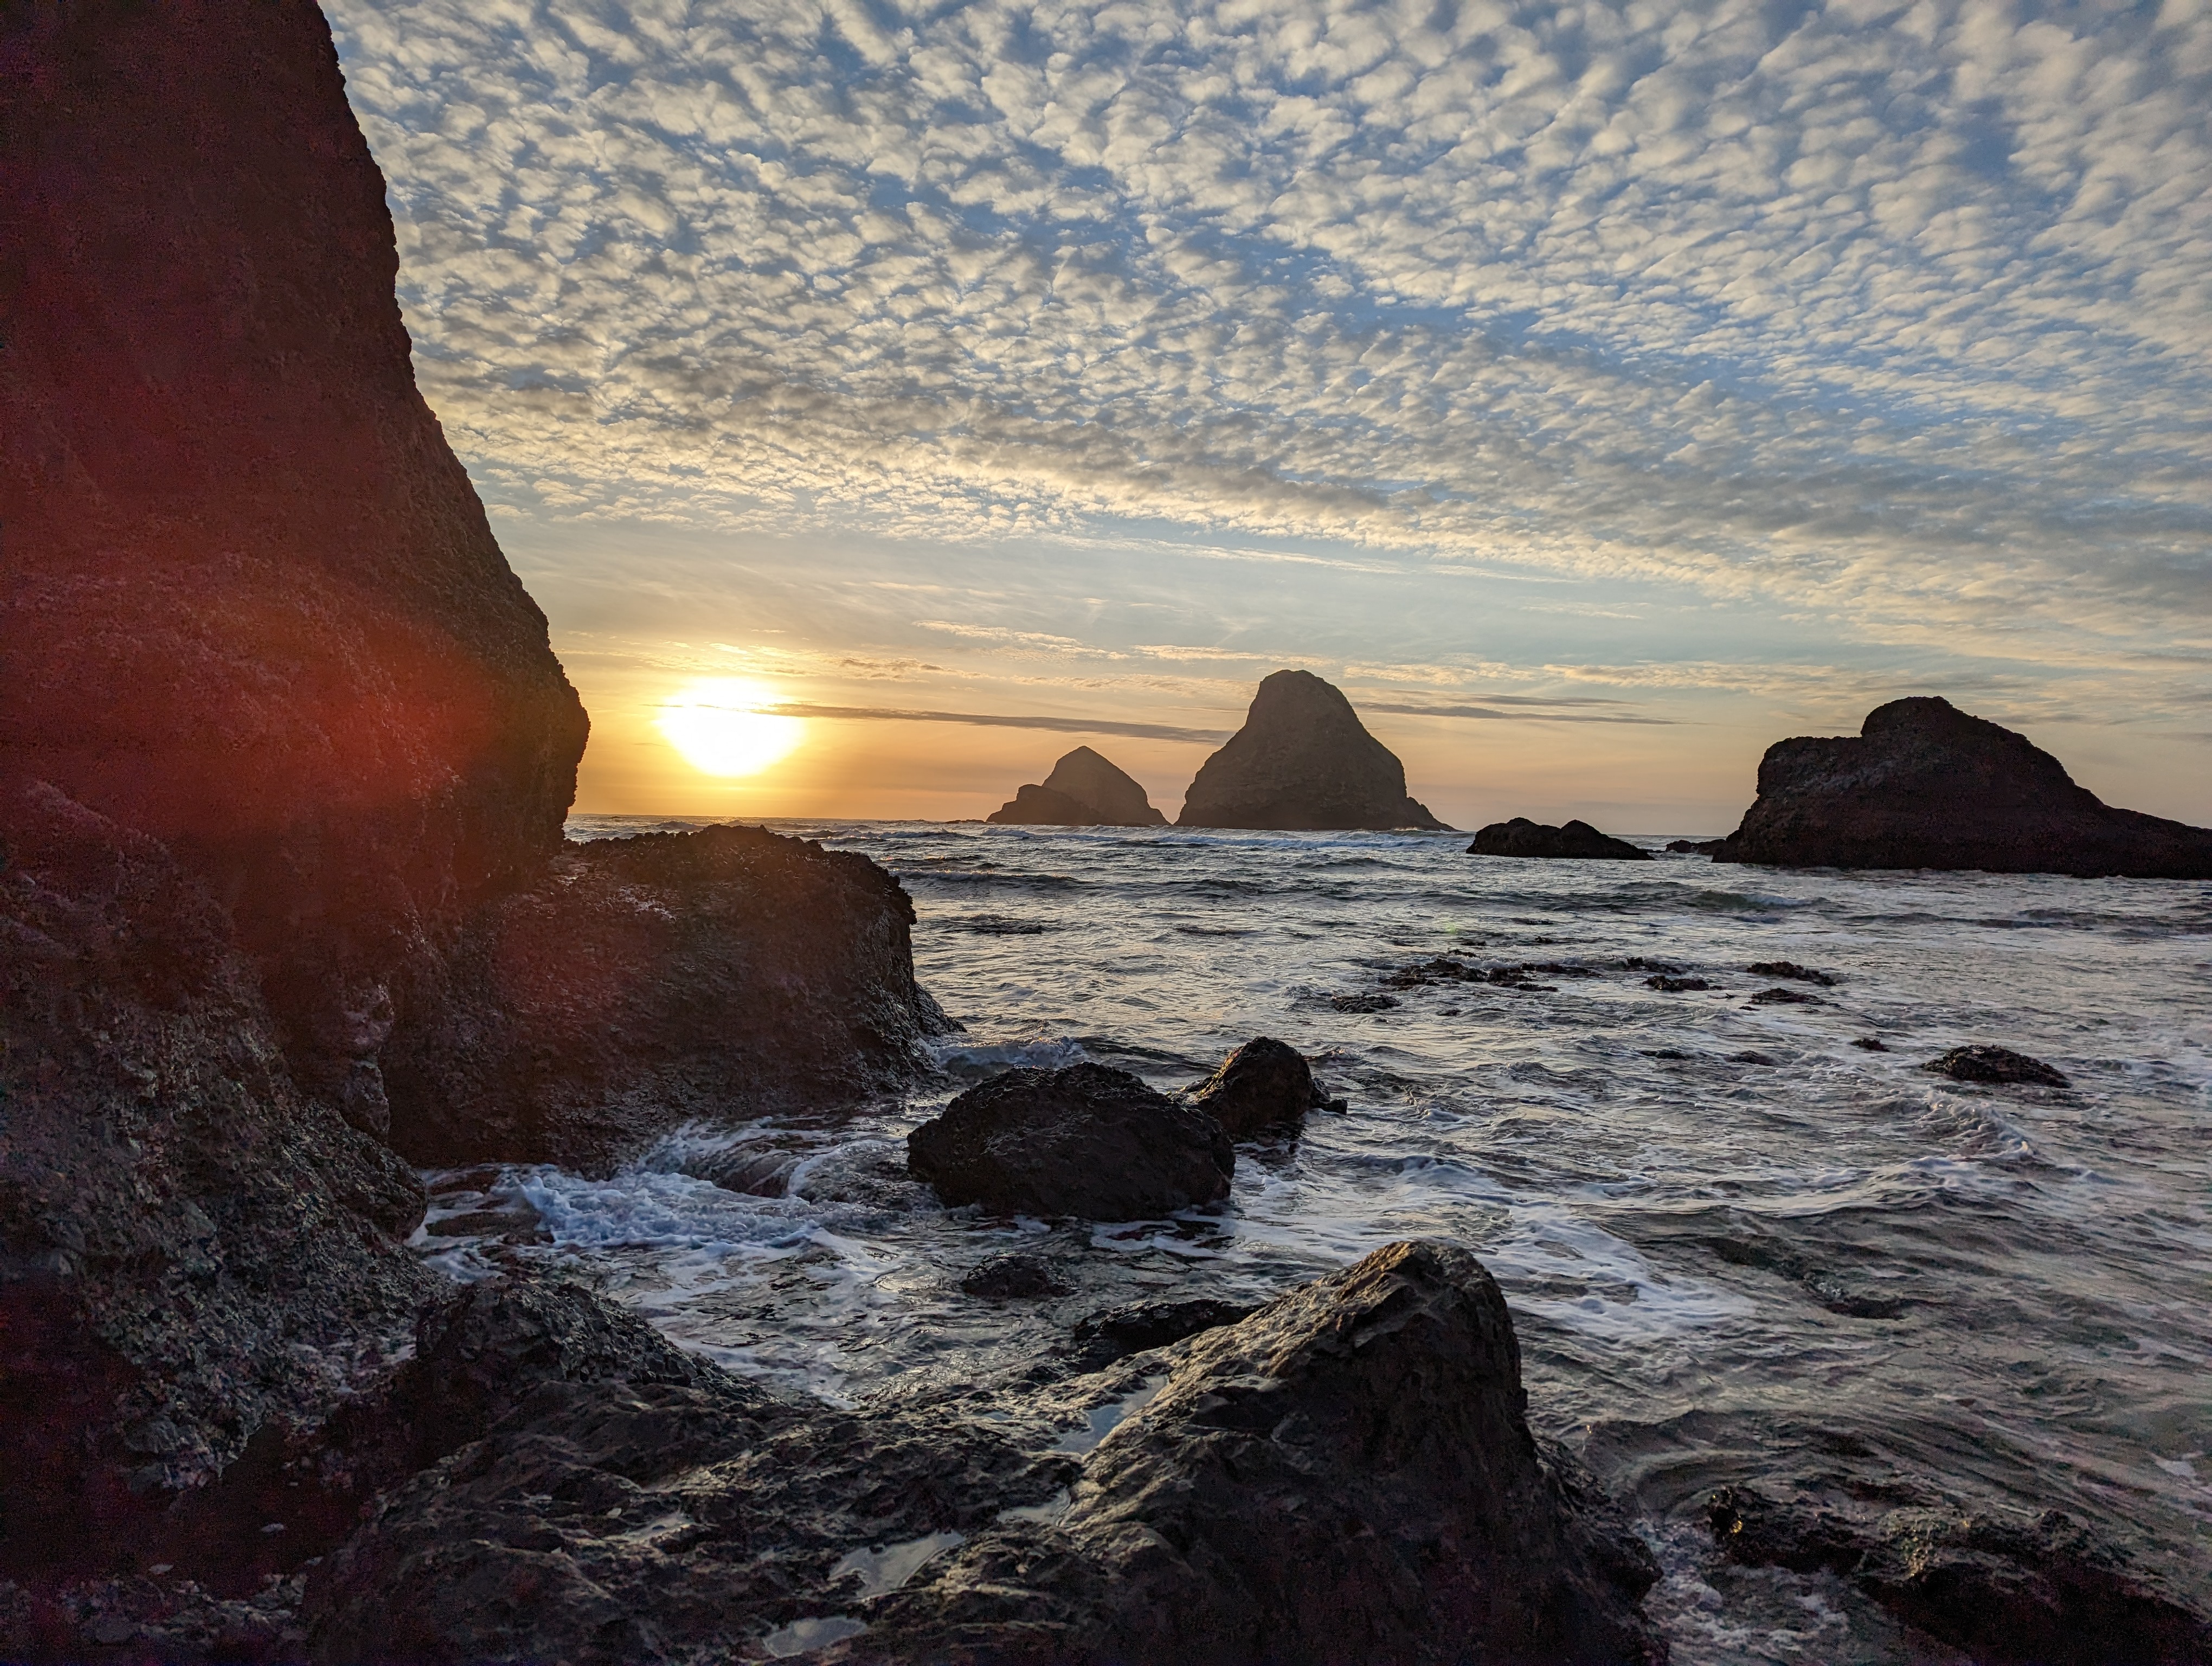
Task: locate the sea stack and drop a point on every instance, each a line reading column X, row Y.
column 1302, row 760
column 1084, row 789
column 1577, row 839
column 1924, row 785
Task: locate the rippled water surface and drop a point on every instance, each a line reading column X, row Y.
column 1736, row 1240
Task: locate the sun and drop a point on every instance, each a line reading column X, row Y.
column 719, row 727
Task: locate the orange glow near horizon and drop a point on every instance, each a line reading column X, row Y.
column 719, row 728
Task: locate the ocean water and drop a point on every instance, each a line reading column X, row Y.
column 1737, row 1241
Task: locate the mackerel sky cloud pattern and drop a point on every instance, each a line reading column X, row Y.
column 1901, row 312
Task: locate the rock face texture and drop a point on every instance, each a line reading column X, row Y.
column 1346, row 1474
column 1302, row 760
column 254, row 609
column 1578, row 840
column 1082, row 790
column 642, row 981
column 191, row 1250
column 1088, row 1142
column 1265, row 1085
column 1925, row 785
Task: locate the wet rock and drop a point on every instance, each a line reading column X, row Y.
column 1790, row 969
column 1637, row 962
column 1577, row 840
column 2007, row 1590
column 644, row 982
column 1870, row 1043
column 1012, row 1278
column 1263, row 1085
column 1088, row 1142
column 1362, row 1003
column 254, row 608
column 1302, row 760
column 1673, row 985
column 1695, row 847
column 1778, row 996
column 1924, row 785
column 1349, row 1468
column 1082, row 790
column 1998, row 1065
column 1137, row 1327
column 1762, row 1059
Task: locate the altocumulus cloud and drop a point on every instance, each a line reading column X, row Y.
column 1893, row 311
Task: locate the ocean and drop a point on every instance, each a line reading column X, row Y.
column 1740, row 1237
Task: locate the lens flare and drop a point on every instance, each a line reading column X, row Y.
column 720, row 729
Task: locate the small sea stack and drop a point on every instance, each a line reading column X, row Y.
column 1924, row 785
column 1577, row 840
column 1084, row 789
column 1302, row 760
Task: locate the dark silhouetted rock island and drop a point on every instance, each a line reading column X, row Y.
column 1084, row 789
column 1088, row 1142
column 1925, row 785
column 1302, row 760
column 1577, row 839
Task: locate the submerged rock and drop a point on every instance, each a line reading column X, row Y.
column 645, row 980
column 1302, row 760
column 1790, row 969
column 1012, row 1278
column 1998, row 1065
column 1088, row 1142
column 1924, row 785
column 1265, row 1084
column 1577, row 840
column 2008, row 1591
column 1082, row 790
column 1348, row 1474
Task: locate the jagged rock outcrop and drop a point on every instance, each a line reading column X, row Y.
column 254, row 608
column 1925, row 785
column 1302, row 760
column 1346, row 1473
column 1577, row 840
column 1264, row 1086
column 642, row 982
column 1998, row 1065
column 1089, row 1142
column 1083, row 790
column 194, row 1255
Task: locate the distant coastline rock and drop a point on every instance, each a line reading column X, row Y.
column 1694, row 847
column 1088, row 1142
column 1084, row 789
column 1924, row 785
column 643, row 980
column 1302, row 760
column 1264, row 1085
column 1577, row 840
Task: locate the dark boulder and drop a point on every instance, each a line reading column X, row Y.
column 1577, row 840
column 1265, row 1084
column 1997, row 1065
column 1088, row 1142
column 254, row 607
column 1347, row 1474
column 2006, row 1591
column 1924, row 785
column 1082, row 790
column 1012, row 1278
column 1695, row 847
column 1138, row 1327
column 1302, row 760
column 640, row 981
column 1673, row 984
column 1778, row 996
column 1790, row 969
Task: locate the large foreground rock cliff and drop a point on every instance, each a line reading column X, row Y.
column 1925, row 785
column 1302, row 760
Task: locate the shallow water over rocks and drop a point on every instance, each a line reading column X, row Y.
column 1739, row 1245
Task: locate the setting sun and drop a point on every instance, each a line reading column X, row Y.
column 720, row 729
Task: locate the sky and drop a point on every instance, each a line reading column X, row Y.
column 1596, row 394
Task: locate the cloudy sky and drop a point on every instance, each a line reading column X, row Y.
column 1597, row 392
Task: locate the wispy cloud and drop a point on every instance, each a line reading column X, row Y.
column 999, row 720
column 1519, row 714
